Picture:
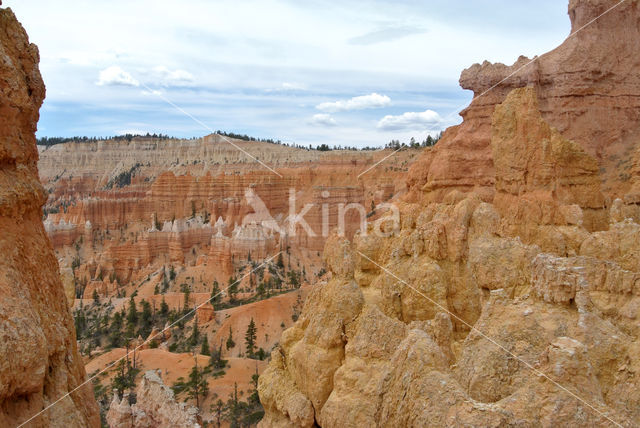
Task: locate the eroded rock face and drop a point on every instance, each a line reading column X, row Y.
column 587, row 95
column 155, row 407
column 541, row 178
column 39, row 362
column 509, row 296
column 482, row 336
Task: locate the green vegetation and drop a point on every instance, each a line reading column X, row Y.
column 124, row 178
column 196, row 387
column 413, row 144
column 250, row 339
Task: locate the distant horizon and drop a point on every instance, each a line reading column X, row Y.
column 351, row 74
column 41, row 141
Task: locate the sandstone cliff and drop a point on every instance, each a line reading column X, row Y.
column 39, row 361
column 588, row 89
column 454, row 321
column 508, row 295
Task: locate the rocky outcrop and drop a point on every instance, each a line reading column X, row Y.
column 541, row 178
column 40, row 365
column 155, row 406
column 507, row 294
column 485, row 335
column 584, row 93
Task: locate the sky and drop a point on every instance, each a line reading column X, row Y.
column 350, row 73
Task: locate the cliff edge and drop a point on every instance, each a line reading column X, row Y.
column 509, row 293
column 39, row 362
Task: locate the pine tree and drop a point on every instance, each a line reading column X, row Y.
column 233, row 408
column 115, row 333
column 196, row 387
column 217, row 411
column 250, row 338
column 125, row 377
column 216, row 360
column 230, row 342
column 280, row 262
column 164, row 308
column 96, row 298
column 187, row 292
column 204, row 349
column 195, row 334
column 145, row 319
column 132, row 318
column 232, row 289
column 215, row 293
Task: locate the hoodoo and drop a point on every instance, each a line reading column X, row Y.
column 510, row 294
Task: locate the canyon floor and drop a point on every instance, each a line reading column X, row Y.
column 165, row 249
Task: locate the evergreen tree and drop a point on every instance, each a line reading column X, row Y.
column 96, row 298
column 164, row 308
column 115, row 331
column 204, row 349
column 233, row 408
column 216, row 360
column 145, row 319
column 195, row 334
column 232, row 289
column 250, row 338
column 215, row 293
column 196, row 387
column 280, row 262
column 230, row 342
column 125, row 377
column 187, row 292
column 253, row 411
column 132, row 318
column 217, row 409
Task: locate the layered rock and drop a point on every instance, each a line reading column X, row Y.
column 155, row 406
column 584, row 93
column 41, row 373
column 507, row 294
column 485, row 338
column 541, row 178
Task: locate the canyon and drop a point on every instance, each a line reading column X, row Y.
column 509, row 294
column 166, row 222
column 490, row 280
column 173, row 226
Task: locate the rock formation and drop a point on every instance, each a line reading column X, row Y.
column 155, row 407
column 508, row 296
column 40, row 364
column 584, row 93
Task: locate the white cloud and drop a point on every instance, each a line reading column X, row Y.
column 323, row 119
column 131, row 131
column 167, row 77
column 411, row 120
column 287, row 87
column 115, row 75
column 292, row 86
column 386, row 34
column 356, row 103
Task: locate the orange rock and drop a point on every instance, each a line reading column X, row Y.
column 588, row 98
column 40, row 361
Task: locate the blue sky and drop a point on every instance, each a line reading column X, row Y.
column 346, row 73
